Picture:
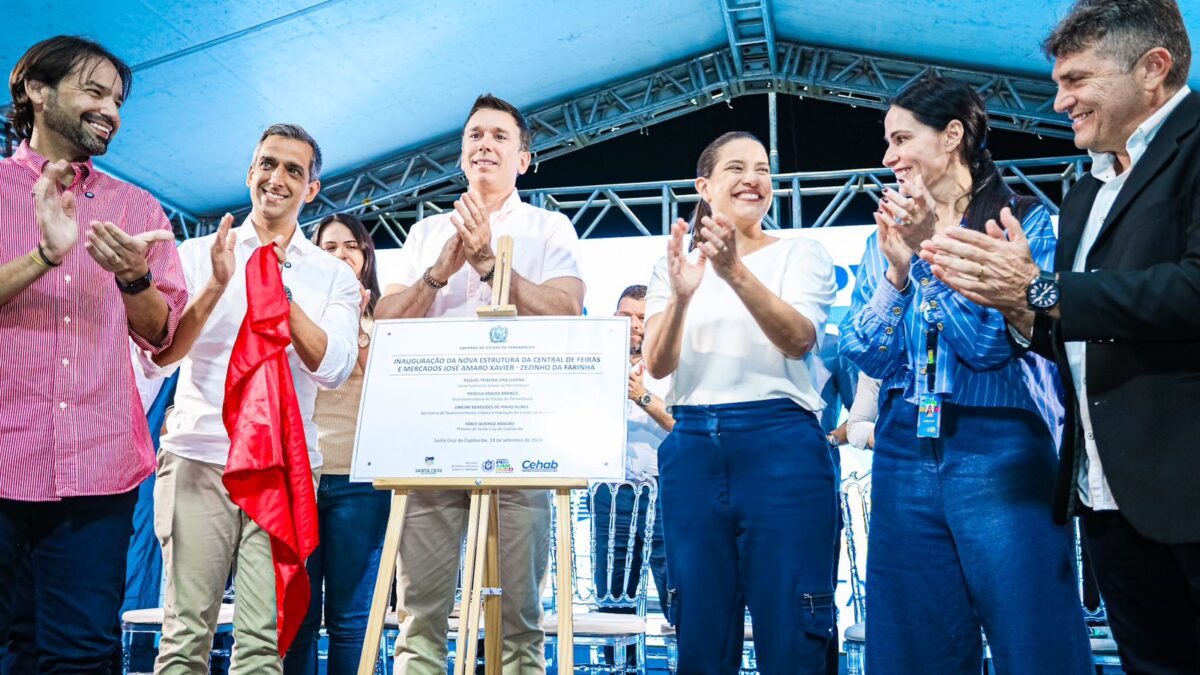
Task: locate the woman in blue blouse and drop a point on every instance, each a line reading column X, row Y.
column 961, row 536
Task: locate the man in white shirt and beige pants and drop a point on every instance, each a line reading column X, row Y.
column 445, row 269
column 199, row 527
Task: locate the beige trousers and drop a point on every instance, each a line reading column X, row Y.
column 200, row 531
column 428, row 572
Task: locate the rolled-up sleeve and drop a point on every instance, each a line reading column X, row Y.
column 165, row 267
column 339, row 320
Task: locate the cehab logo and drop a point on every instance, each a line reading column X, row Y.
column 539, row 466
column 498, row 334
column 488, row 465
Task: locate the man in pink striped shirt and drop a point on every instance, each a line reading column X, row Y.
column 74, row 444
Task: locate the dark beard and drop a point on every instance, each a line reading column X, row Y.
column 73, row 130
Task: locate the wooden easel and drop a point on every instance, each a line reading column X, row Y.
column 481, row 593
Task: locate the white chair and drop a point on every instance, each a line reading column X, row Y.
column 610, row 637
column 855, row 500
column 149, row 622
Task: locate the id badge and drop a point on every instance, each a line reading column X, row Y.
column 929, row 416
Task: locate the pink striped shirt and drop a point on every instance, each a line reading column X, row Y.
column 71, row 421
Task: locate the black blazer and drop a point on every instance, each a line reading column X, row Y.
column 1138, row 308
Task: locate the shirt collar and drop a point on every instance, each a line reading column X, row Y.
column 32, row 160
column 1103, row 163
column 247, row 235
column 513, row 201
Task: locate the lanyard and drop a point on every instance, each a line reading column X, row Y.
column 931, row 350
column 931, row 346
column 929, row 404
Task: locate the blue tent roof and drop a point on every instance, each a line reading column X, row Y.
column 369, row 78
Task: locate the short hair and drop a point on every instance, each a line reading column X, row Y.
column 490, row 102
column 296, row 132
column 48, row 62
column 635, row 292
column 1124, row 30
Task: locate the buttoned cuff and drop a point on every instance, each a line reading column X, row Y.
column 922, row 273
column 889, row 303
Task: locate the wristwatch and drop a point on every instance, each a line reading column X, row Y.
column 832, row 439
column 364, row 340
column 644, row 399
column 137, row 285
column 1042, row 293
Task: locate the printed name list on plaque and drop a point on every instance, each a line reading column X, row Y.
column 465, row 398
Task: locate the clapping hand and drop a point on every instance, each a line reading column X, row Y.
column 911, row 210
column 470, row 218
column 990, row 269
column 55, row 212
column 685, row 275
column 719, row 244
column 122, row 254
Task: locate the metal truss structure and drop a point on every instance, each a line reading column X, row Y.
column 754, row 62
column 396, row 184
column 650, row 208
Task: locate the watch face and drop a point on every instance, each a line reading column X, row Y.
column 364, row 340
column 1042, row 294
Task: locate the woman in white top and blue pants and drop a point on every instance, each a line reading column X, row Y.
column 747, row 482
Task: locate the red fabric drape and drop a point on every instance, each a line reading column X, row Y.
column 268, row 474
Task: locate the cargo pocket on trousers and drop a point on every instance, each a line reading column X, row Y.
column 670, row 607
column 816, row 615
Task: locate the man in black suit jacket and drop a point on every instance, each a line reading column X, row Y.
column 1120, row 315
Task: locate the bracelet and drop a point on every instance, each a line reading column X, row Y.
column 33, row 255
column 42, row 259
column 488, row 277
column 429, row 281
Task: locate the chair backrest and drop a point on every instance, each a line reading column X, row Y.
column 630, row 571
column 620, row 541
column 855, row 498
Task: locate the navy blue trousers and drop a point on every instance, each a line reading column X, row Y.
column 750, row 520
column 342, row 572
column 71, row 555
column 962, row 538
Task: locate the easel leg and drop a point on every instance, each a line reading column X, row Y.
column 566, row 627
column 383, row 583
column 493, row 634
column 468, row 623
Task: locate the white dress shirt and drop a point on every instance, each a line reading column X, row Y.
column 725, row 357
column 545, row 247
column 1093, row 485
column 645, row 434
column 323, row 286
